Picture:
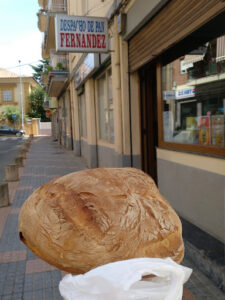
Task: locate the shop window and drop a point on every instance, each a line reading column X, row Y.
column 7, row 96
column 82, row 113
column 105, row 107
column 193, row 97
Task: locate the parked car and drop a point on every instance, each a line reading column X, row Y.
column 7, row 130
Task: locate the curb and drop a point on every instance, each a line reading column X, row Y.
column 211, row 269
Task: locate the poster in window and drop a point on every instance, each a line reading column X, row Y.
column 204, row 130
column 192, row 127
column 218, row 130
column 191, row 123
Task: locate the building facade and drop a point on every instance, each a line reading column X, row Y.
column 155, row 102
column 11, row 91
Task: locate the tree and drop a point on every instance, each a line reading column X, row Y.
column 36, row 98
column 42, row 68
column 8, row 111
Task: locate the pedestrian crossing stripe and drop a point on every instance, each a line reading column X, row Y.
column 2, row 139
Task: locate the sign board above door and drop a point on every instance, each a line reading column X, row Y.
column 81, row 34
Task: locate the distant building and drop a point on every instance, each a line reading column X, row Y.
column 10, row 89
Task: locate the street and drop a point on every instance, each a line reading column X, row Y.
column 8, row 151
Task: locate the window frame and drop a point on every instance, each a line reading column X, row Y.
column 6, row 88
column 106, row 89
column 193, row 148
column 9, row 92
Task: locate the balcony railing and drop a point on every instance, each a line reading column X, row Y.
column 59, row 61
column 57, row 6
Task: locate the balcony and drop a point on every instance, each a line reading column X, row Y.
column 43, row 4
column 42, row 20
column 57, row 6
column 48, row 37
column 59, row 61
column 47, row 25
column 56, row 82
column 58, row 77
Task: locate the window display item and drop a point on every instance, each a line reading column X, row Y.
column 204, row 130
column 193, row 97
column 218, row 130
column 92, row 217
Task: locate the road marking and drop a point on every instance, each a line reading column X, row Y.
column 2, row 139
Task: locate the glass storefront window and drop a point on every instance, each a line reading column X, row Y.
column 105, row 107
column 193, row 95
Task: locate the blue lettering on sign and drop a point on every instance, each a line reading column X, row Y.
column 99, row 26
column 72, row 25
column 186, row 93
column 82, row 25
column 90, row 26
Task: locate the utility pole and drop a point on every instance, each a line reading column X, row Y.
column 21, row 97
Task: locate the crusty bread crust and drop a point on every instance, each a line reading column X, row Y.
column 92, row 217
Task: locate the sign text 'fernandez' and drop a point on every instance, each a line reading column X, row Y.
column 81, row 34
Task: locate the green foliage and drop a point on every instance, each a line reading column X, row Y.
column 42, row 68
column 59, row 66
column 7, row 112
column 36, row 98
column 47, row 69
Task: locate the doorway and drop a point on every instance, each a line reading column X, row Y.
column 149, row 133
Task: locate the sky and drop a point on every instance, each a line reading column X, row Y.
column 20, row 38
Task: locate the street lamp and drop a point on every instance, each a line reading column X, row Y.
column 21, row 96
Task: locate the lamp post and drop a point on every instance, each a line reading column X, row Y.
column 21, row 97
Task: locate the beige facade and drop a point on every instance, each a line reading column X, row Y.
column 114, row 114
column 10, row 93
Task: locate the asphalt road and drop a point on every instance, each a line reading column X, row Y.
column 8, row 151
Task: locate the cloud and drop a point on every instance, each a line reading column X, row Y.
column 26, row 48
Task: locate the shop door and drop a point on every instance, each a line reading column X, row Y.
column 149, row 120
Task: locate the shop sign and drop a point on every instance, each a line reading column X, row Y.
column 185, row 93
column 184, row 66
column 169, row 95
column 81, row 34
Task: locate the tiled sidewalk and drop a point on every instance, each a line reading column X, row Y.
column 23, row 276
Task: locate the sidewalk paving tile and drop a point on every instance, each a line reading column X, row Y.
column 4, row 212
column 12, row 256
column 38, row 266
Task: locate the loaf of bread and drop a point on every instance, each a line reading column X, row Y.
column 89, row 218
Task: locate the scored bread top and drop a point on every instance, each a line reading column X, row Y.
column 92, row 217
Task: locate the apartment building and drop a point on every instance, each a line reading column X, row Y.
column 155, row 101
column 11, row 90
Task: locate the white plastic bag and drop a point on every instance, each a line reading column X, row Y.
column 122, row 280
